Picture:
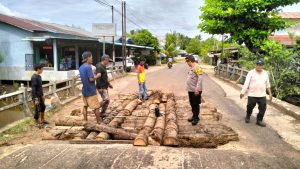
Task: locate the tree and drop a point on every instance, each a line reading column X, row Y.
column 183, row 41
column 194, row 46
column 144, row 37
column 170, row 48
column 248, row 21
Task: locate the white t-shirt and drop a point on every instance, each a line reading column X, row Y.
column 256, row 83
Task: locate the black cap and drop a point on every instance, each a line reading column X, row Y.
column 190, row 58
column 86, row 55
column 260, row 62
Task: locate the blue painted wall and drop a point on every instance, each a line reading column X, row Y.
column 12, row 47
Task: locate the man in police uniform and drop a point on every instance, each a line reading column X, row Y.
column 194, row 87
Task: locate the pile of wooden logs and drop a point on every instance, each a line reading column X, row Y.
column 161, row 120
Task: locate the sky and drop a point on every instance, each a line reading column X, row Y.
column 159, row 16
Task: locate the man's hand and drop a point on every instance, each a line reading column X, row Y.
column 110, row 86
column 270, row 97
column 197, row 93
column 241, row 96
column 98, row 75
column 36, row 101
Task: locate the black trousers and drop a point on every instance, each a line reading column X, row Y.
column 262, row 106
column 195, row 102
column 39, row 108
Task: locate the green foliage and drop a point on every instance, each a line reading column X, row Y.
column 149, row 59
column 247, row 21
column 194, row 46
column 170, row 48
column 183, row 41
column 144, row 37
column 283, row 65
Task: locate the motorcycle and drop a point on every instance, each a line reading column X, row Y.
column 170, row 65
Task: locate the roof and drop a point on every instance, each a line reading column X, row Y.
column 38, row 26
column 284, row 39
column 290, row 15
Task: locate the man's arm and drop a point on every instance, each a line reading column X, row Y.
column 199, row 73
column 246, row 85
column 269, row 89
column 33, row 90
column 91, row 76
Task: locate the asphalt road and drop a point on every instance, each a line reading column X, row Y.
column 258, row 147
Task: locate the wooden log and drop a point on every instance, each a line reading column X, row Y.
column 92, row 135
column 72, row 121
column 76, row 112
column 164, row 98
column 142, row 138
column 171, row 128
column 120, row 133
column 158, row 131
column 123, row 105
column 102, row 136
column 52, row 134
column 131, row 106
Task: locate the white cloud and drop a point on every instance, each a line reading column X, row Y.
column 7, row 11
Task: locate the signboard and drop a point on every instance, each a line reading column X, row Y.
column 104, row 29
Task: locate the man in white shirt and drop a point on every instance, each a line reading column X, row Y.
column 256, row 84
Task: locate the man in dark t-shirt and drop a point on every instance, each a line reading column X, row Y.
column 102, row 83
column 38, row 96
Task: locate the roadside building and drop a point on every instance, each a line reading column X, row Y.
column 288, row 36
column 25, row 42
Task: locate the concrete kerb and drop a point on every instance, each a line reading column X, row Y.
column 282, row 106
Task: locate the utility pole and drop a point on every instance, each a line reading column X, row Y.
column 113, row 38
column 123, row 44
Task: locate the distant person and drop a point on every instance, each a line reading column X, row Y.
column 142, row 80
column 103, row 83
column 194, row 87
column 170, row 60
column 257, row 82
column 38, row 96
column 89, row 94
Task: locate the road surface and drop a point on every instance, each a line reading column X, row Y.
column 258, row 147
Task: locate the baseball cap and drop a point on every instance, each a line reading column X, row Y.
column 260, row 62
column 86, row 55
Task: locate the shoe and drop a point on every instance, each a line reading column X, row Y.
column 195, row 122
column 261, row 123
column 45, row 122
column 190, row 119
column 247, row 120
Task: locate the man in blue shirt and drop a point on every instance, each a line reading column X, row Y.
column 89, row 94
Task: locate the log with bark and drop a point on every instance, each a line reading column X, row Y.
column 171, row 129
column 131, row 106
column 164, row 98
column 117, row 132
column 157, row 134
column 72, row 121
column 92, row 135
column 142, row 138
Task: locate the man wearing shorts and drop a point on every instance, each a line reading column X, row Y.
column 89, row 94
column 103, row 83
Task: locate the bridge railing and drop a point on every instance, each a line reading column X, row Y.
column 59, row 92
column 232, row 73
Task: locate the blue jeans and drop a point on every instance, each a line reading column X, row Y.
column 142, row 90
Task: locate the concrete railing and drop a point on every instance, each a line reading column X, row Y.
column 232, row 73
column 59, row 91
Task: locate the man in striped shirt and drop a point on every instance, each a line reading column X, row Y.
column 257, row 82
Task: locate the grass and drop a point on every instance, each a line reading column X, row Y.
column 22, row 127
